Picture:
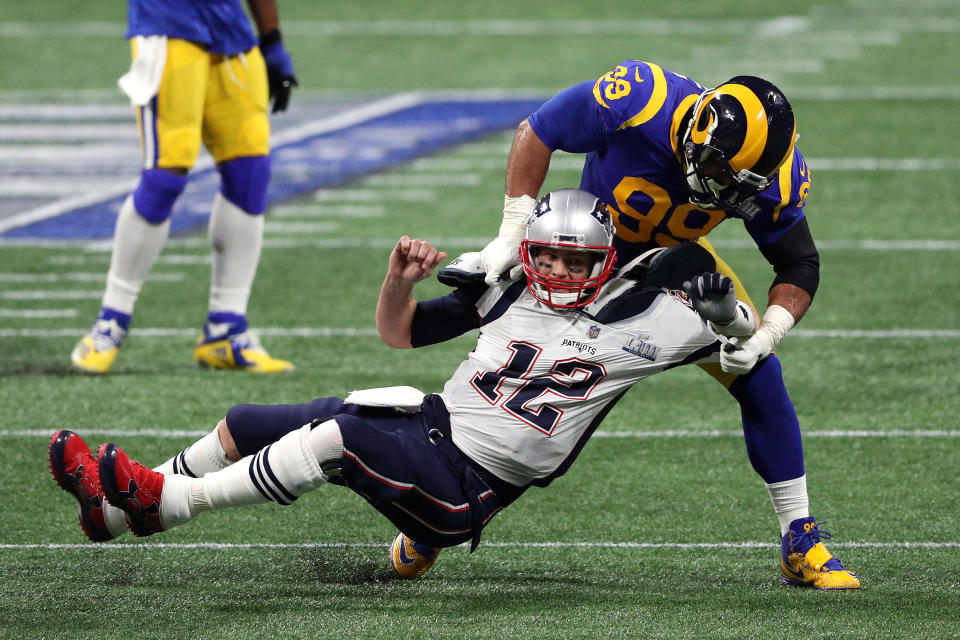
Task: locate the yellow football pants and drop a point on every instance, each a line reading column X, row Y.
column 203, row 97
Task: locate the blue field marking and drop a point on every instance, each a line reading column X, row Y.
column 312, row 162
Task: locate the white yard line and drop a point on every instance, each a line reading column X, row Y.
column 80, row 277
column 47, row 112
column 50, row 295
column 187, row 546
column 884, row 164
column 832, row 94
column 53, row 155
column 61, row 133
column 331, row 211
column 334, row 332
column 874, row 333
column 423, row 180
column 825, row 433
column 865, row 245
column 38, row 313
column 778, row 26
column 374, row 195
column 642, row 435
column 94, row 248
column 498, row 163
column 33, row 105
column 163, row 332
column 301, row 227
column 101, row 257
column 54, row 185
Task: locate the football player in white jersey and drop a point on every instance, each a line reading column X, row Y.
column 557, row 349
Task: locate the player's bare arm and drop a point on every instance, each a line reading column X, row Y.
column 526, row 170
column 790, row 297
column 264, row 13
column 411, row 261
column 527, row 163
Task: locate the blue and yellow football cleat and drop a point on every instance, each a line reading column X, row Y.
column 409, row 559
column 805, row 561
column 98, row 349
column 241, row 351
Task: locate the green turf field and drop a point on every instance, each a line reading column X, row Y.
column 661, row 529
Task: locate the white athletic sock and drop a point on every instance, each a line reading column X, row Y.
column 790, row 501
column 280, row 472
column 202, row 457
column 136, row 245
column 237, row 238
column 175, row 505
column 115, row 519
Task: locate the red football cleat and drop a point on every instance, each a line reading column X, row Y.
column 76, row 471
column 132, row 487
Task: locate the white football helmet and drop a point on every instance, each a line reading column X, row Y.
column 569, row 219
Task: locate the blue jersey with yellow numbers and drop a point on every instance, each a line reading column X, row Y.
column 220, row 25
column 627, row 123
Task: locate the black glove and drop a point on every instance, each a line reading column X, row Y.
column 279, row 69
column 713, row 297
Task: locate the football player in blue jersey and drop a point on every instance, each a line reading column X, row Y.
column 199, row 75
column 675, row 159
column 558, row 348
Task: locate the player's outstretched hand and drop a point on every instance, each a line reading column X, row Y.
column 713, row 296
column 413, row 260
column 498, row 257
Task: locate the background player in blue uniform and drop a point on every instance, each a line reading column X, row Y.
column 198, row 75
column 557, row 350
column 675, row 160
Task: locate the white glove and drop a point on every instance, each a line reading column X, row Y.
column 503, row 252
column 742, row 354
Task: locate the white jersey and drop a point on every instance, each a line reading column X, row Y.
column 526, row 399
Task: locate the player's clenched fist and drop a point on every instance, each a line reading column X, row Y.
column 413, row 260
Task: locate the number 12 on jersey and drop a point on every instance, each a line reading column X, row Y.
column 516, row 390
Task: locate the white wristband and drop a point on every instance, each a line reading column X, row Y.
column 744, row 322
column 516, row 211
column 776, row 322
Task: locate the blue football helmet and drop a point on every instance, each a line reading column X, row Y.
column 737, row 137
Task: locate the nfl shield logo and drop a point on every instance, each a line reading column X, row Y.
column 593, row 331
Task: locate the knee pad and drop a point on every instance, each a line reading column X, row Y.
column 244, row 181
column 154, row 197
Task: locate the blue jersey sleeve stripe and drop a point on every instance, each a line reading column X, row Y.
column 786, row 186
column 658, row 96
